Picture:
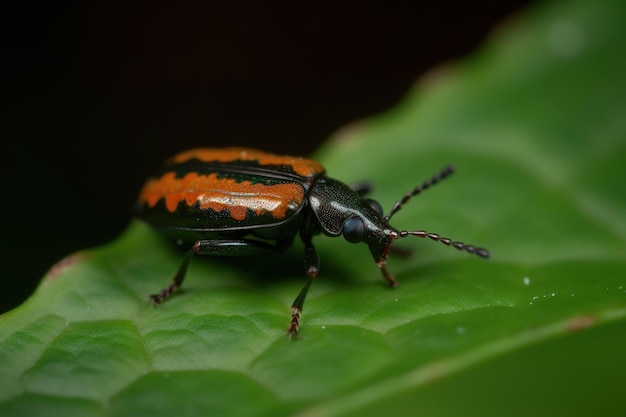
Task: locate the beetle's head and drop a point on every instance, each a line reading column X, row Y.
column 365, row 222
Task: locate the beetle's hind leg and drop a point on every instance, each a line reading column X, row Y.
column 176, row 281
column 215, row 247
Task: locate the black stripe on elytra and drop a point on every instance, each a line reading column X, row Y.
column 238, row 169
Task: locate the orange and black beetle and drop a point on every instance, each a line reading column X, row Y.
column 244, row 202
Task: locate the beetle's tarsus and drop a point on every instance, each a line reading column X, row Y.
column 294, row 326
column 158, row 298
column 296, row 309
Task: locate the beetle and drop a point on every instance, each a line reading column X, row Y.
column 246, row 202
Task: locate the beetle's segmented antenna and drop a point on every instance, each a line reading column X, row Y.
column 482, row 252
column 445, row 172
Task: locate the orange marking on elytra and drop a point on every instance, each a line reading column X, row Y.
column 218, row 194
column 301, row 166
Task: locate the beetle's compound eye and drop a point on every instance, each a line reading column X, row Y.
column 354, row 229
column 376, row 206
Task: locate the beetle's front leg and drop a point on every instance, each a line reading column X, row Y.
column 215, row 247
column 311, row 266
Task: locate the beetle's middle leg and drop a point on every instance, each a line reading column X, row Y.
column 311, row 266
column 362, row 188
column 215, row 247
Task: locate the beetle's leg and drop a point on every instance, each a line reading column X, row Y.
column 400, row 251
column 362, row 188
column 311, row 266
column 311, row 260
column 296, row 309
column 388, row 277
column 176, row 281
column 239, row 247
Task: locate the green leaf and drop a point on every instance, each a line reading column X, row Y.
column 535, row 122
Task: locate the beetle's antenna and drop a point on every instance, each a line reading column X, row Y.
column 482, row 252
column 425, row 185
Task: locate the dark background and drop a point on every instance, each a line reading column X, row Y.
column 96, row 95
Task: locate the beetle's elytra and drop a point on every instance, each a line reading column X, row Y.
column 245, row 202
